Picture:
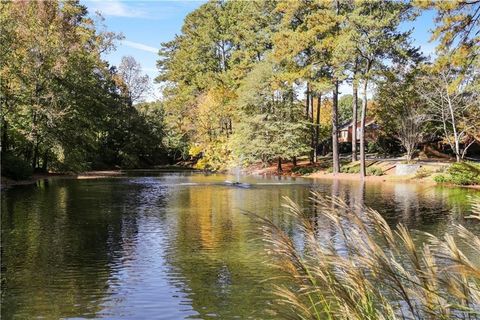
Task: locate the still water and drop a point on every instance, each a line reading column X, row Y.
column 156, row 245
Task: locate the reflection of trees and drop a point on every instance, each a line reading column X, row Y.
column 58, row 244
column 221, row 268
column 64, row 243
column 424, row 208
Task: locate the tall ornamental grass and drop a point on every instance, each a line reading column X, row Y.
column 352, row 265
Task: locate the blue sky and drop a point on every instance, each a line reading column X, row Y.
column 146, row 24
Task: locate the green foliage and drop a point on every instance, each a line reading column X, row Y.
column 384, row 145
column 462, row 173
column 350, row 168
column 375, row 171
column 345, row 108
column 15, row 168
column 423, row 173
column 270, row 126
column 63, row 107
column 440, row 178
column 304, row 170
column 203, row 68
column 355, row 168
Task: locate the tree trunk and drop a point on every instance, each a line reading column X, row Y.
column 455, row 133
column 363, row 171
column 307, row 102
column 45, row 162
column 294, row 161
column 4, row 144
column 317, row 127
column 354, row 120
column 335, row 151
column 35, row 156
column 408, row 154
column 312, row 131
column 279, row 165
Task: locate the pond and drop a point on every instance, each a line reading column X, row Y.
column 159, row 245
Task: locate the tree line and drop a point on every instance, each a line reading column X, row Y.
column 243, row 82
column 64, row 108
column 249, row 81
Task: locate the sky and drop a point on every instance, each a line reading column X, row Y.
column 146, row 24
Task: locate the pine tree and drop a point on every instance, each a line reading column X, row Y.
column 373, row 27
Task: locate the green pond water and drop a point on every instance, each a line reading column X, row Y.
column 157, row 245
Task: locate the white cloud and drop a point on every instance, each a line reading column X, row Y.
column 139, row 46
column 116, row 8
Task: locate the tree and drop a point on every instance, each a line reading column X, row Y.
column 355, row 104
column 61, row 106
column 135, row 84
column 374, row 31
column 312, row 46
column 454, row 103
column 53, row 49
column 403, row 110
column 202, row 68
column 457, row 30
column 345, row 107
column 270, row 128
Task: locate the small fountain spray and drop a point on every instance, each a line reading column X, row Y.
column 237, row 170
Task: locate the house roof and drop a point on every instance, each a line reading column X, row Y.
column 348, row 124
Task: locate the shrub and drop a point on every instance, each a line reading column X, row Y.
column 440, row 179
column 461, row 173
column 15, row 168
column 423, row 173
column 375, row 171
column 352, row 168
column 369, row 271
column 355, row 168
column 304, row 170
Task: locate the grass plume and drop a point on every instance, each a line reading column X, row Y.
column 353, row 265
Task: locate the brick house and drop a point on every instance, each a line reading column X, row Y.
column 345, row 131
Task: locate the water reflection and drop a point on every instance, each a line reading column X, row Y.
column 171, row 245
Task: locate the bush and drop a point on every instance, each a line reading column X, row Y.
column 374, row 171
column 304, row 170
column 15, row 168
column 461, row 173
column 440, row 178
column 355, row 168
column 422, row 173
column 352, row 168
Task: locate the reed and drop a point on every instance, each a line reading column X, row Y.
column 353, row 265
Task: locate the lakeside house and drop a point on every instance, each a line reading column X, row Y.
column 345, row 131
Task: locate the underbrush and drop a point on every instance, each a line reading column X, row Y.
column 361, row 268
column 15, row 168
column 355, row 168
column 423, row 173
column 461, row 173
column 304, row 170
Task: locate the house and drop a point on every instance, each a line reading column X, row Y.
column 345, row 131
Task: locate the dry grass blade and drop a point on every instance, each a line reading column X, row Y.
column 365, row 270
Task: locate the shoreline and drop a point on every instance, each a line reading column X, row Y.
column 385, row 178
column 93, row 174
column 6, row 182
column 251, row 171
